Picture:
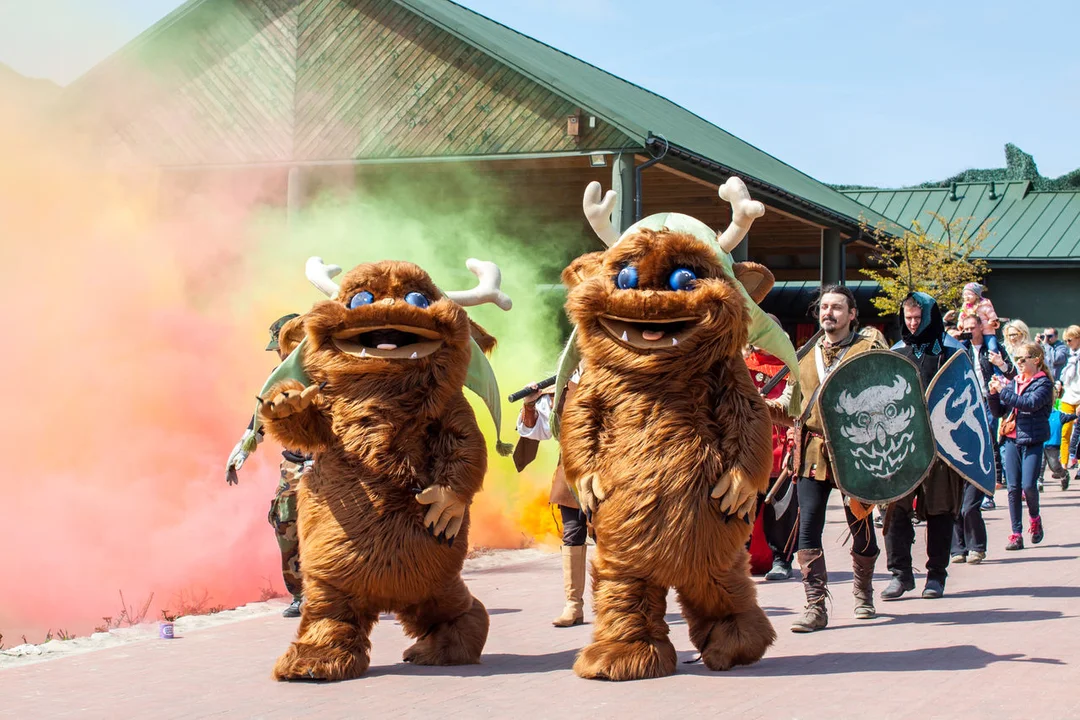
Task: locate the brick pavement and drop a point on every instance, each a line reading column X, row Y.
column 1004, row 642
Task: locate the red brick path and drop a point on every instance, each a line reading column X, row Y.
column 1003, row 643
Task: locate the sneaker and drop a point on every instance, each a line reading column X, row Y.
column 975, row 557
column 780, row 571
column 293, row 610
column 1072, row 463
column 879, row 521
column 1036, row 530
column 1065, row 482
column 1016, row 542
column 934, row 589
column 988, row 503
column 958, row 558
column 1040, row 485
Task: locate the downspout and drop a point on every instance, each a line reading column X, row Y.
column 843, row 255
column 637, row 176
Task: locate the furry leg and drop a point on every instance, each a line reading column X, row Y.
column 630, row 636
column 333, row 641
column 726, row 624
column 452, row 627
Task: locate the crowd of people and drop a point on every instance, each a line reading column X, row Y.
column 1030, row 388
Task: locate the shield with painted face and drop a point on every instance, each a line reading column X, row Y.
column 876, row 426
column 962, row 429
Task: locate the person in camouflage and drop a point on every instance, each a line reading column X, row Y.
column 285, row 334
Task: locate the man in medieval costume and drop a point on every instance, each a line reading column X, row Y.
column 938, row 497
column 840, row 341
column 534, row 425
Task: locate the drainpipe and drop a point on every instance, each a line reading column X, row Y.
column 637, row 177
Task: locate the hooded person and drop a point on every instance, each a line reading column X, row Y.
column 938, row 497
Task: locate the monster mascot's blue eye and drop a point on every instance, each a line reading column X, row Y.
column 361, row 298
column 417, row 299
column 682, row 279
column 627, row 278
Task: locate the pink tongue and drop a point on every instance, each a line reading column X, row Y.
column 652, row 335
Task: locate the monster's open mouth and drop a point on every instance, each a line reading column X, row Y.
column 399, row 342
column 647, row 334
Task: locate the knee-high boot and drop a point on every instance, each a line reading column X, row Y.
column 862, row 586
column 816, row 584
column 574, row 585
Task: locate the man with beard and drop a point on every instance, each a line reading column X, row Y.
column 926, row 344
column 840, row 341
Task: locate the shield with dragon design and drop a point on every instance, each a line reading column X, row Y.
column 962, row 429
column 876, row 426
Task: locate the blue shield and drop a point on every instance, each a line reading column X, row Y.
column 962, row 429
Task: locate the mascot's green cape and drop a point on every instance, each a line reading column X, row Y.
column 480, row 379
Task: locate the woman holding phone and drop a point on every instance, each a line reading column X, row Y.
column 1024, row 404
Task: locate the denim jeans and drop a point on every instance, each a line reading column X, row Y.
column 1022, row 465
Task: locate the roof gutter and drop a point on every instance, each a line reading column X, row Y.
column 831, row 217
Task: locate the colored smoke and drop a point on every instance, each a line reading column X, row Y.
column 136, row 320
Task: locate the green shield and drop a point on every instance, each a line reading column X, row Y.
column 876, row 426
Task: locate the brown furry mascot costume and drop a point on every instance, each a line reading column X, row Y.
column 384, row 517
column 668, row 445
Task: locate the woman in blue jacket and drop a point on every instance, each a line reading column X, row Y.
column 1025, row 403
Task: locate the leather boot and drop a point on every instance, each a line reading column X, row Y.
column 816, row 585
column 573, row 571
column 862, row 587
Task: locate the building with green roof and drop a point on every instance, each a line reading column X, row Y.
column 1033, row 248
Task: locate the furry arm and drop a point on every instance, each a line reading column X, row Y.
column 291, row 413
column 459, row 459
column 747, row 446
column 582, row 422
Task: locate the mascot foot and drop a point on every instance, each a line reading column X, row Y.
column 303, row 661
column 457, row 642
column 740, row 639
column 637, row 660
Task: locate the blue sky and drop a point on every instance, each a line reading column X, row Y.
column 879, row 93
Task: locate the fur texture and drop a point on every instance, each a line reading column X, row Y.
column 658, row 428
column 382, row 429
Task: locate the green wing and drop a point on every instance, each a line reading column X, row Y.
column 291, row 369
column 481, row 380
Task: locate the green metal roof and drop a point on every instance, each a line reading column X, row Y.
column 638, row 113
column 1025, row 226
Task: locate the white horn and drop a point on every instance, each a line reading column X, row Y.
column 486, row 290
column 320, row 274
column 743, row 212
column 599, row 212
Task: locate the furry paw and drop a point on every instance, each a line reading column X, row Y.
column 285, row 399
column 590, row 493
column 737, row 495
column 740, row 639
column 617, row 661
column 303, row 661
column 444, row 518
column 458, row 642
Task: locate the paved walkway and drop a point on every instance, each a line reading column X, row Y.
column 1003, row 643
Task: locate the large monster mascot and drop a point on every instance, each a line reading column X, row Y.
column 666, row 440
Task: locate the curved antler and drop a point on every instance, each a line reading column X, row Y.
column 743, row 212
column 320, row 274
column 486, row 290
column 599, row 212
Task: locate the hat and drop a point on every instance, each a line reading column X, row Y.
column 275, row 329
column 975, row 288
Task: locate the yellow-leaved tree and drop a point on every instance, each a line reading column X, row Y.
column 938, row 261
